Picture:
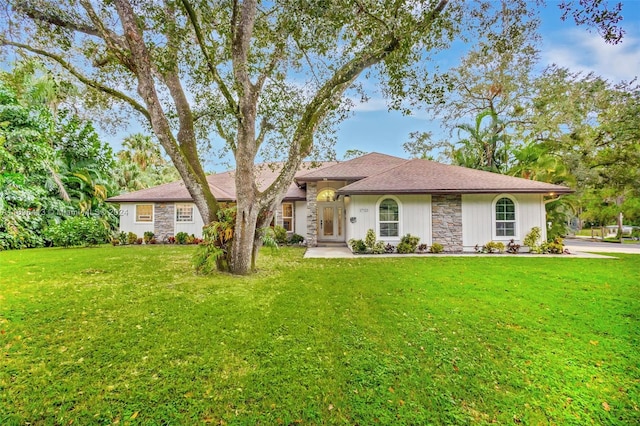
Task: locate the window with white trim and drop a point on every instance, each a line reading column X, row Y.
column 389, row 218
column 184, row 212
column 144, row 212
column 287, row 216
column 505, row 215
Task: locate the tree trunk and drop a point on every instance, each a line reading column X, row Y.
column 243, row 239
column 620, row 220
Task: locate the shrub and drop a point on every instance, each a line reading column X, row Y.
column 148, row 235
column 370, row 239
column 357, row 246
column 121, row 237
column 531, row 240
column 296, row 239
column 131, row 238
column 378, row 248
column 215, row 250
column 491, row 247
column 389, row 248
column 181, row 237
column 436, row 248
column 512, row 247
column 404, row 248
column 554, row 247
column 494, row 247
column 78, row 231
column 422, row 248
column 139, row 241
column 408, row 244
column 280, row 234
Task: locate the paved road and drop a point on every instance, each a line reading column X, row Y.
column 585, row 245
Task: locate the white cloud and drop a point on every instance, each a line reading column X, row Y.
column 579, row 50
column 372, row 104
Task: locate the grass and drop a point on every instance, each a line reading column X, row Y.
column 595, row 232
column 129, row 335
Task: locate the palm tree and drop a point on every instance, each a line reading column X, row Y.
column 485, row 147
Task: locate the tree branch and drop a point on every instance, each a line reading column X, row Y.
column 56, row 20
column 81, row 77
column 114, row 42
column 331, row 91
column 191, row 14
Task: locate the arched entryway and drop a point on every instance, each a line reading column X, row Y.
column 330, row 217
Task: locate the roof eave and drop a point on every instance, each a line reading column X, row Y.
column 455, row 191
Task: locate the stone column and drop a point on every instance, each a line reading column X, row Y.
column 164, row 220
column 446, row 217
column 312, row 214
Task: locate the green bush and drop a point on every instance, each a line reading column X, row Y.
column 494, row 247
column 132, row 238
column 182, row 237
column 554, row 247
column 408, row 244
column 296, row 239
column 148, row 236
column 122, row 238
column 378, row 248
column 78, row 231
column 436, row 248
column 531, row 240
column 357, row 246
column 370, row 239
column 280, row 234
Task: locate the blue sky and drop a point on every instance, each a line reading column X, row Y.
column 373, row 128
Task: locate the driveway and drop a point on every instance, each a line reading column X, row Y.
column 587, row 245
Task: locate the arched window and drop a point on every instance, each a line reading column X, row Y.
column 389, row 218
column 505, row 217
column 326, row 195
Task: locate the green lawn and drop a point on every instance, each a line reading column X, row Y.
column 129, row 335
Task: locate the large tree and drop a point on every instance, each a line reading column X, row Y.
column 261, row 74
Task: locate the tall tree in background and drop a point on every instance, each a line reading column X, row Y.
column 52, row 164
column 141, row 164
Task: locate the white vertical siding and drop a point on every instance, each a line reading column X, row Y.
column 478, row 217
column 128, row 220
column 415, row 211
column 194, row 227
column 300, row 218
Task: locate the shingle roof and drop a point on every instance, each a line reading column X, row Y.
column 428, row 177
column 374, row 173
column 355, row 169
column 223, row 186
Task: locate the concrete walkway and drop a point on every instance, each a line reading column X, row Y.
column 344, row 252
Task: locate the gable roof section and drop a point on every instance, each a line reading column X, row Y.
column 428, row 177
column 223, row 186
column 355, row 169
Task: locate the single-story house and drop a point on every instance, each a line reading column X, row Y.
column 333, row 202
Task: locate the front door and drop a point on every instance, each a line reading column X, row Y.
column 330, row 216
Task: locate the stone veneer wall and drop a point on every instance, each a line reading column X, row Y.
column 164, row 222
column 446, row 216
column 312, row 214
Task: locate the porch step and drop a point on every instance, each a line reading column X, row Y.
column 331, row 244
